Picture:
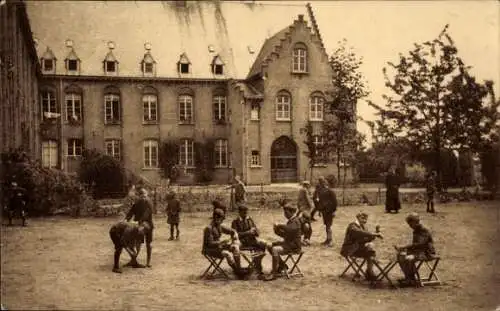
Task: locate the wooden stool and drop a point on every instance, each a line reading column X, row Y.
column 295, row 259
column 430, row 265
column 214, row 269
column 356, row 264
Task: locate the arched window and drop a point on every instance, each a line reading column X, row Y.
column 150, row 105
column 219, row 106
column 316, row 106
column 299, row 58
column 283, row 106
column 112, row 105
column 73, row 103
column 48, row 103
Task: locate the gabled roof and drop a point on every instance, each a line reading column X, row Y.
column 148, row 58
column 231, row 27
column 72, row 55
column 48, row 54
column 110, row 57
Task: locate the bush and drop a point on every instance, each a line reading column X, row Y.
column 415, row 175
column 49, row 191
column 169, row 157
column 103, row 175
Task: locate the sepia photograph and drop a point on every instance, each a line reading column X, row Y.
column 250, row 155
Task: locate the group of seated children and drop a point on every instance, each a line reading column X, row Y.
column 245, row 235
column 357, row 243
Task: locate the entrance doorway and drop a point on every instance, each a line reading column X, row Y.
column 283, row 160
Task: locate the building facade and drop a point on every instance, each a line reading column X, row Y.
column 128, row 96
column 19, row 74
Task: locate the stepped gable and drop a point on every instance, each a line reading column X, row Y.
column 273, row 45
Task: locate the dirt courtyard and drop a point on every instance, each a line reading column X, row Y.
column 65, row 263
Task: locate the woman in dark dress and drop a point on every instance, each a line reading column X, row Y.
column 392, row 202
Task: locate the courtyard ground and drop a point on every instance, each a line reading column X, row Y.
column 65, row 263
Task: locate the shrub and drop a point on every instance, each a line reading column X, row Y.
column 103, row 175
column 49, row 191
column 169, row 157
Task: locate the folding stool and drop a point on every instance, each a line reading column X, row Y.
column 295, row 259
column 214, row 268
column 356, row 264
column 430, row 265
column 249, row 254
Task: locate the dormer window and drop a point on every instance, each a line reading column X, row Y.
column 217, row 66
column 184, row 65
column 72, row 62
column 110, row 62
column 148, row 63
column 110, row 67
column 48, row 62
column 48, row 65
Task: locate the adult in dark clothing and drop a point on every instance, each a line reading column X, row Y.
column 421, row 248
column 357, row 242
column 317, row 188
column 327, row 203
column 173, row 215
column 291, row 233
column 142, row 211
column 248, row 234
column 392, row 202
column 129, row 237
column 17, row 203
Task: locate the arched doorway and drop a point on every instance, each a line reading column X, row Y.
column 283, row 160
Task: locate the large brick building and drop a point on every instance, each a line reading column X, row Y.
column 19, row 74
column 124, row 77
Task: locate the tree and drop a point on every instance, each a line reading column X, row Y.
column 340, row 135
column 436, row 104
column 313, row 151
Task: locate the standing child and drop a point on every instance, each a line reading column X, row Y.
column 173, row 215
column 431, row 190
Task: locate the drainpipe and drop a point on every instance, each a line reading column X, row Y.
column 61, row 140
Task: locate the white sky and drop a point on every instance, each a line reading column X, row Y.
column 380, row 30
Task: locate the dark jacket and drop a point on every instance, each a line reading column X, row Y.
column 422, row 243
column 173, row 211
column 326, row 199
column 142, row 211
column 211, row 237
column 243, row 226
column 356, row 236
column 291, row 234
column 124, row 234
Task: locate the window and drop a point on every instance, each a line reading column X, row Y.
column 48, row 64
column 113, row 148
column 221, row 153
column 186, row 153
column 255, row 112
column 218, row 69
column 316, row 108
column 150, row 154
column 219, row 108
column 299, row 58
column 73, row 107
column 184, row 68
column 49, row 153
column 318, row 143
column 148, row 67
column 150, row 107
column 49, row 108
column 110, row 66
column 283, row 107
column 111, row 109
column 185, row 109
column 72, row 64
column 75, row 147
column 255, row 159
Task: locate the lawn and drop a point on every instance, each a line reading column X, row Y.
column 65, row 263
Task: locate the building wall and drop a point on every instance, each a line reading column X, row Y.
column 300, row 87
column 132, row 131
column 19, row 110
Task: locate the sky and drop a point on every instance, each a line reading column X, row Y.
column 379, row 30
